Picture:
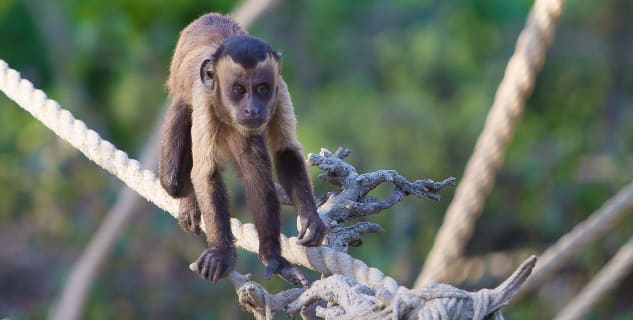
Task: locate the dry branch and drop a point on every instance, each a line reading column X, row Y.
column 343, row 297
column 352, row 200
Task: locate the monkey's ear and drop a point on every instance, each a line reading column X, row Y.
column 277, row 56
column 207, row 74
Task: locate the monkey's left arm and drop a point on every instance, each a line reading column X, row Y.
column 291, row 170
column 293, row 176
column 255, row 166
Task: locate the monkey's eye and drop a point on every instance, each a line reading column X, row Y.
column 262, row 89
column 239, row 89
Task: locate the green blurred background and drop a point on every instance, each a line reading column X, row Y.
column 405, row 84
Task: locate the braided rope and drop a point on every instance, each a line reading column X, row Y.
column 322, row 259
column 608, row 278
column 487, row 157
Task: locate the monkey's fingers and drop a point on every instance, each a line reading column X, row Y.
column 294, row 276
column 189, row 223
column 314, row 237
column 312, row 240
column 302, row 232
column 213, row 264
column 219, row 269
column 203, row 266
column 286, row 271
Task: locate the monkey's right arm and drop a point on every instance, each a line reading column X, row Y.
column 175, row 163
column 218, row 260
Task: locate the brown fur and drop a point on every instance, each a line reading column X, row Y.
column 217, row 138
column 197, row 41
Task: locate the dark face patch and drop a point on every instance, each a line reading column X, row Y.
column 248, row 94
column 245, row 50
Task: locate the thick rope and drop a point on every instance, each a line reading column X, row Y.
column 607, row 279
column 487, row 157
column 321, row 259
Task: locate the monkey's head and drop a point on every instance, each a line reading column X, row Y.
column 244, row 74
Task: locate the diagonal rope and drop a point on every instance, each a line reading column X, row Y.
column 607, row 279
column 599, row 223
column 321, row 259
column 487, row 157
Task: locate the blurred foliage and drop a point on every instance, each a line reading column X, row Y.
column 405, row 84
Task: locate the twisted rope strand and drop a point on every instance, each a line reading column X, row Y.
column 130, row 171
column 487, row 156
column 100, row 151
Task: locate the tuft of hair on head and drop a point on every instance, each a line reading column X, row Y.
column 245, row 50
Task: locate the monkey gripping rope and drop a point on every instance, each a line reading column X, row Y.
column 429, row 302
column 130, row 171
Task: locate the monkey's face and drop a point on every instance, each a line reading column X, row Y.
column 248, row 94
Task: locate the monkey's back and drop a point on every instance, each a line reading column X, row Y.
column 197, row 42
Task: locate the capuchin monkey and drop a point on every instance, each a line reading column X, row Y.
column 229, row 105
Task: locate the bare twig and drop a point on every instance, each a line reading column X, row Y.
column 350, row 201
column 353, row 200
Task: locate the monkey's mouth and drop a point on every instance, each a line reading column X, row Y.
column 252, row 122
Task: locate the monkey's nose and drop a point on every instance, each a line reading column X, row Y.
column 251, row 112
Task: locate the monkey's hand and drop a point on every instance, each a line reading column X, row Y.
column 215, row 263
column 312, row 230
column 279, row 265
column 189, row 215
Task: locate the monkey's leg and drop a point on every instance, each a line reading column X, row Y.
column 293, row 176
column 218, row 260
column 175, row 162
column 261, row 199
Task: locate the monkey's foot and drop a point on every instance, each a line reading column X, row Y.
column 189, row 215
column 215, row 263
column 286, row 271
